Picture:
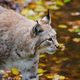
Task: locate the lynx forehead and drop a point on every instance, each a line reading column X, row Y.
column 21, row 38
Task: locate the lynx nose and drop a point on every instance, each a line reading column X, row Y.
column 56, row 44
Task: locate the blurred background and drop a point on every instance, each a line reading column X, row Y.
column 65, row 14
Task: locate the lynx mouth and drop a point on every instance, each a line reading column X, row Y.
column 50, row 52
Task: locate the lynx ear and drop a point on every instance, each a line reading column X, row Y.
column 47, row 18
column 37, row 29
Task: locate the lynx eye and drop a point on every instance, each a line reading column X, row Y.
column 50, row 39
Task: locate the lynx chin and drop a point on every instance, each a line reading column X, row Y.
column 22, row 40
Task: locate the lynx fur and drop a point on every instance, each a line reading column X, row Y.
column 22, row 40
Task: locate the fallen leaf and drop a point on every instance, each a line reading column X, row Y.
column 62, row 26
column 42, row 65
column 59, row 3
column 50, row 76
column 42, row 55
column 32, row 5
column 41, row 70
column 15, row 71
column 67, row 1
column 76, row 39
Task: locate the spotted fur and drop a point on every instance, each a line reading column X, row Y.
column 22, row 40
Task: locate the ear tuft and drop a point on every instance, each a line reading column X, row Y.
column 48, row 15
column 37, row 22
column 47, row 18
column 36, row 29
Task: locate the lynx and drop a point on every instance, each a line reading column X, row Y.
column 22, row 40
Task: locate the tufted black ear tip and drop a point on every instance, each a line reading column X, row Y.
column 37, row 21
column 48, row 14
column 36, row 29
column 47, row 18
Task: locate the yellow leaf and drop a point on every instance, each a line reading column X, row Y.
column 76, row 39
column 34, row 17
column 40, row 2
column 32, row 6
column 58, row 61
column 60, row 3
column 71, row 30
column 58, row 77
column 15, row 71
column 62, row 77
column 42, row 55
column 40, row 8
column 50, row 76
column 24, row 11
column 41, row 64
column 62, row 46
column 62, row 26
column 55, row 7
column 41, row 70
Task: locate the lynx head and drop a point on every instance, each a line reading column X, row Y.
column 46, row 35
